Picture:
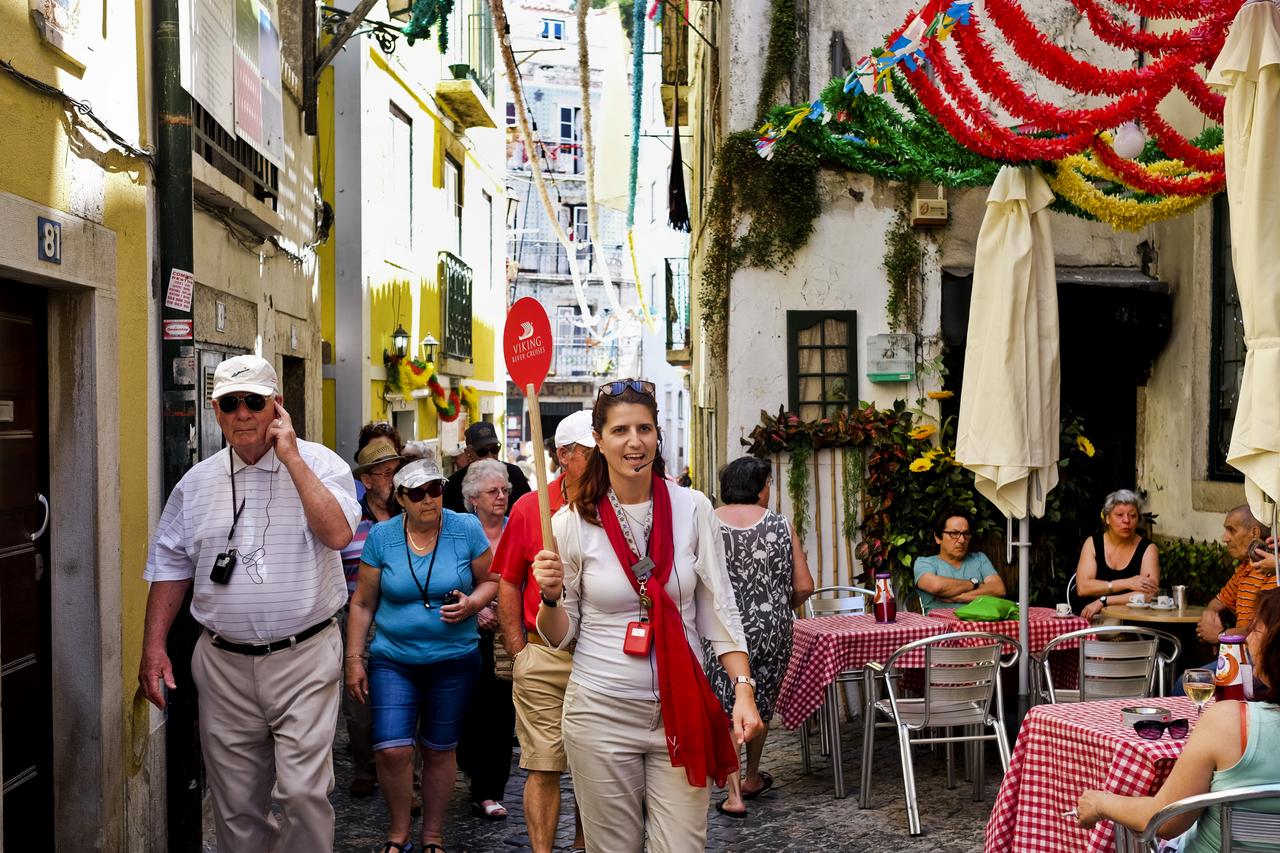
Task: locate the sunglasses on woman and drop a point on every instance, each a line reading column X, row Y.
column 228, row 403
column 640, row 386
column 1154, row 729
column 435, row 489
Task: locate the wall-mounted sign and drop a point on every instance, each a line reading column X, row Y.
column 177, row 330
column 48, row 240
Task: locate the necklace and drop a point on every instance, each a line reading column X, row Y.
column 413, row 541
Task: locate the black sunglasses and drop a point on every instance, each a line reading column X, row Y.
column 1154, row 729
column 482, row 452
column 640, row 386
column 228, row 403
column 435, row 489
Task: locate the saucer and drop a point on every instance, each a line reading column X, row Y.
column 1163, row 606
column 1138, row 605
column 1057, row 615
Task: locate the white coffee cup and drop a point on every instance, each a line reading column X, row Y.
column 1064, row 609
column 1164, row 601
column 1138, row 598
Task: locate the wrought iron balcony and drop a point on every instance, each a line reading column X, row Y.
column 455, row 290
column 677, row 310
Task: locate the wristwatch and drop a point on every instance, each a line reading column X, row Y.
column 745, row 679
column 976, row 583
column 1103, row 599
column 550, row 602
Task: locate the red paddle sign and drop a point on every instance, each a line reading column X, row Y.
column 527, row 344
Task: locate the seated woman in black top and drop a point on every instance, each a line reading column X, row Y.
column 1098, row 581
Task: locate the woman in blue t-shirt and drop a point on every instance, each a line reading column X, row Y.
column 426, row 575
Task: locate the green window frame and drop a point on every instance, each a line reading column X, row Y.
column 822, row 369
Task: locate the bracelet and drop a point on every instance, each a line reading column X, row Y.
column 1111, row 587
column 356, row 657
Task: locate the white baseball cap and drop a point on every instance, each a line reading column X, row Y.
column 248, row 373
column 575, row 429
column 417, row 473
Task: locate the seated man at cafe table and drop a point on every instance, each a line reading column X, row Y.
column 955, row 576
column 1255, row 572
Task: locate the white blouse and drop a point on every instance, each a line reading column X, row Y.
column 599, row 599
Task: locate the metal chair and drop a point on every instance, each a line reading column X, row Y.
column 1242, row 830
column 1110, row 668
column 961, row 691
column 848, row 600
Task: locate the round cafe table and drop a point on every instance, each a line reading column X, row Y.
column 1147, row 614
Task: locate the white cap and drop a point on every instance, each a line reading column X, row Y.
column 247, row 373
column 417, row 473
column 575, row 429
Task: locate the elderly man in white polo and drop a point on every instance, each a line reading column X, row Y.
column 257, row 528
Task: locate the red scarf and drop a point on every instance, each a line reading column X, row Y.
column 696, row 727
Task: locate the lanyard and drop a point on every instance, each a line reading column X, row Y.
column 423, row 591
column 643, row 567
column 235, row 511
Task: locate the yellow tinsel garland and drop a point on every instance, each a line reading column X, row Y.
column 1071, row 184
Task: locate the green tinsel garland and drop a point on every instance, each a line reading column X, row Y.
column 427, row 14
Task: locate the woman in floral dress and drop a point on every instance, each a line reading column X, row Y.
column 770, row 578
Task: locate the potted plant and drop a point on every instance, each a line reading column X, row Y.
column 460, row 70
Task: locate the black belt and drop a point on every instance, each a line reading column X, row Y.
column 267, row 648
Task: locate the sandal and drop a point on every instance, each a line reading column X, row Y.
column 428, row 848
column 494, row 811
column 406, row 847
column 767, row 781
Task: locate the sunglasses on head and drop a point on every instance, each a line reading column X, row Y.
column 640, row 386
column 229, row 403
column 435, row 489
column 1154, row 729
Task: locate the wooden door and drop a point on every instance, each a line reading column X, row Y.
column 26, row 700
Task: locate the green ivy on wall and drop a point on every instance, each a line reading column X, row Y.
column 780, row 56
column 903, row 257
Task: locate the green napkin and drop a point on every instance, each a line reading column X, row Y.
column 988, row 608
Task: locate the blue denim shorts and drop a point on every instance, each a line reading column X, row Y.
column 431, row 697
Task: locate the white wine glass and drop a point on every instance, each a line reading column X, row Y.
column 1199, row 684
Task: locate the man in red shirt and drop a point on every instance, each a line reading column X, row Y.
column 540, row 674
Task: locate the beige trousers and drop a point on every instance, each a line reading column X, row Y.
column 618, row 754
column 266, row 732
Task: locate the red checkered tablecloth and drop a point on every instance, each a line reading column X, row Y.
column 825, row 646
column 1042, row 626
column 1063, row 750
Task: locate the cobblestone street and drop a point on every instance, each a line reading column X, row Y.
column 799, row 814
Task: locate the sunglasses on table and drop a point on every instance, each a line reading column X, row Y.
column 1154, row 729
column 418, row 493
column 640, row 386
column 229, row 403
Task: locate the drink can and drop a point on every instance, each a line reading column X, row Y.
column 1229, row 679
column 1180, row 597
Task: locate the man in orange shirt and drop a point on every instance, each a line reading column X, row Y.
column 540, row 674
column 1256, row 573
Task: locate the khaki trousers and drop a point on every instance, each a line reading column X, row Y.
column 618, row 754
column 266, row 732
column 539, row 676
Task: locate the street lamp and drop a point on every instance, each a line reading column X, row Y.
column 400, row 340
column 400, row 10
column 429, row 344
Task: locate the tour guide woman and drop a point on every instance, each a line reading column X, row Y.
column 639, row 576
column 425, row 575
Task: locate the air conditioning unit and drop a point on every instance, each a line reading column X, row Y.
column 929, row 209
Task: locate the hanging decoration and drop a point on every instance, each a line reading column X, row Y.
column 428, row 14
column 589, row 155
column 446, row 402
column 588, row 319
column 939, row 128
column 677, row 202
column 471, row 399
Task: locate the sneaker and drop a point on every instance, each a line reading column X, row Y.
column 361, row 788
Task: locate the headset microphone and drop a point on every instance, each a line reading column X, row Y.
column 640, row 468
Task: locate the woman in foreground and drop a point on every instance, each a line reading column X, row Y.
column 639, row 576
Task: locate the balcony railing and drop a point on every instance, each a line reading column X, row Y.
column 548, row 257
column 582, row 359
column 677, row 303
column 455, row 284
column 558, row 157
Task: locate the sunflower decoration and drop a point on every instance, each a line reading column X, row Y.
column 924, row 463
column 1085, row 446
column 922, row 432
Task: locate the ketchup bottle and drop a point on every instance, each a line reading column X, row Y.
column 884, row 605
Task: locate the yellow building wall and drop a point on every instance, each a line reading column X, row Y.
column 39, row 164
column 325, row 253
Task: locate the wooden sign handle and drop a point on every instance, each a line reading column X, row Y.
column 540, row 464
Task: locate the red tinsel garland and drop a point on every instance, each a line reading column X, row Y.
column 1117, row 34
column 1180, row 9
column 994, row 79
column 1198, row 92
column 1056, row 64
column 1174, row 144
column 1136, row 176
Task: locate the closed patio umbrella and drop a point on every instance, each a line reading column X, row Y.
column 1248, row 70
column 1008, row 430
